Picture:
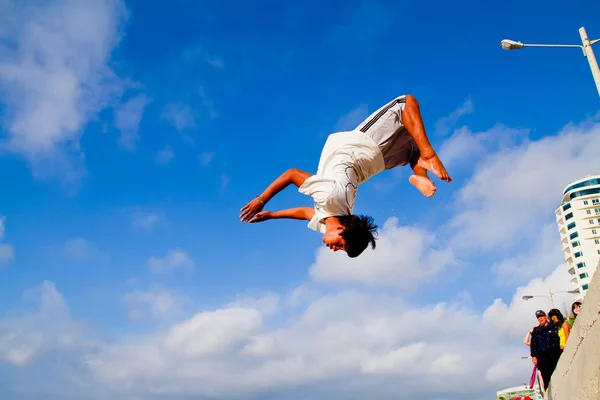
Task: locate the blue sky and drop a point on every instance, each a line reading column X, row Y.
column 185, row 111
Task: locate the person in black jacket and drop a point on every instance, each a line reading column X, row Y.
column 545, row 347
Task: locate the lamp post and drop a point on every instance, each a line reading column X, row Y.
column 586, row 46
column 551, row 295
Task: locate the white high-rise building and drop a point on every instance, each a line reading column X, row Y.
column 578, row 218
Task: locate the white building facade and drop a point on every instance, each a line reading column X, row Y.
column 578, row 219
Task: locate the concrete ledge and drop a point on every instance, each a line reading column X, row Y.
column 577, row 375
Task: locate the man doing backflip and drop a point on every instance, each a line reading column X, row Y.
column 392, row 136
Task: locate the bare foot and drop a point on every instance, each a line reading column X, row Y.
column 435, row 166
column 425, row 185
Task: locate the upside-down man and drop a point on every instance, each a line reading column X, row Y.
column 392, row 136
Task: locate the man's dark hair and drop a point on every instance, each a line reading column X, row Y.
column 359, row 231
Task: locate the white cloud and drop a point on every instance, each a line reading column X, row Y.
column 352, row 118
column 24, row 337
column 205, row 158
column 266, row 303
column 185, row 118
column 164, row 156
column 511, row 319
column 144, row 220
column 301, row 296
column 467, row 148
column 175, row 259
column 79, row 249
column 377, row 344
column 397, row 361
column 365, row 338
column 56, row 77
column 212, row 332
column 405, row 256
column 214, row 61
column 207, row 103
column 7, row 251
column 181, row 116
column 127, row 119
column 512, row 193
column 225, row 180
column 444, row 125
column 2, row 227
column 543, row 256
column 155, row 301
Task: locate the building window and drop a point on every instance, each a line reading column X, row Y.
column 574, row 235
column 583, row 276
column 595, row 201
column 576, row 244
column 596, row 241
column 588, row 212
column 580, row 253
column 566, row 206
column 596, row 210
column 589, row 182
column 585, row 202
column 591, row 222
column 583, row 193
column 594, row 232
column 570, row 215
column 585, row 287
column 599, row 220
column 571, row 225
column 581, row 265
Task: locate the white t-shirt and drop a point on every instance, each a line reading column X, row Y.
column 347, row 160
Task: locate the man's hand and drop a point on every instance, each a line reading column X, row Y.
column 250, row 210
column 534, row 360
column 261, row 216
column 292, row 175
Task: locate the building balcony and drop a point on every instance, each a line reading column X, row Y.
column 569, row 259
column 574, row 280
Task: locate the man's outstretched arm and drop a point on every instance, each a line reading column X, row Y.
column 292, row 175
column 291, row 213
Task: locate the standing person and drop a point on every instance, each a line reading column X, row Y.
column 545, row 347
column 535, row 372
column 575, row 308
column 564, row 328
column 391, row 137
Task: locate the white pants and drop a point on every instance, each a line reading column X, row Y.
column 386, row 128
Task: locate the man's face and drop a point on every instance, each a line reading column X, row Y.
column 542, row 319
column 334, row 241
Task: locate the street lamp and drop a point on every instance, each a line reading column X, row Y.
column 551, row 295
column 586, row 46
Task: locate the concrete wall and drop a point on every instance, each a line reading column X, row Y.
column 577, row 374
